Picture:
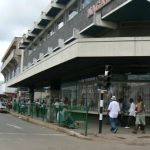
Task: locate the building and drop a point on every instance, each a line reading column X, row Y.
column 11, row 67
column 7, row 93
column 73, row 40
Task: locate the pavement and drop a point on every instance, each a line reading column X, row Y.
column 123, row 135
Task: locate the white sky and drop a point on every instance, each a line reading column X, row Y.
column 17, row 16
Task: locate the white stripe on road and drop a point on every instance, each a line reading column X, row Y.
column 41, row 134
column 51, row 134
column 15, row 126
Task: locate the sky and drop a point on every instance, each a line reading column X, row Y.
column 17, row 17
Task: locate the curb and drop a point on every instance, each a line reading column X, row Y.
column 50, row 126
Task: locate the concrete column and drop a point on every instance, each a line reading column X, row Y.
column 55, row 90
column 31, row 94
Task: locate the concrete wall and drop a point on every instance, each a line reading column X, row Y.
column 110, row 47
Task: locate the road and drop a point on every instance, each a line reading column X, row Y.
column 16, row 134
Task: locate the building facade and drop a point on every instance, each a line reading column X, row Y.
column 73, row 40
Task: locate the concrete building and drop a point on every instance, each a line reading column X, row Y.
column 11, row 67
column 73, row 40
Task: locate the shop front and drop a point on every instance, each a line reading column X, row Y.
column 85, row 92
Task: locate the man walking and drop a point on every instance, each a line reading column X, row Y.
column 140, row 115
column 113, row 111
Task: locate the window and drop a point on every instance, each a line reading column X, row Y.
column 73, row 11
column 82, row 93
column 85, row 3
column 70, row 92
column 50, row 32
column 29, row 52
column 60, row 23
column 34, row 49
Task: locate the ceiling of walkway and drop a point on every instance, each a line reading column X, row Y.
column 81, row 68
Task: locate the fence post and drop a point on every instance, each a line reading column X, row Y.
column 86, row 121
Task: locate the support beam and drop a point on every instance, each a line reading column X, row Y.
column 107, row 24
column 36, row 26
column 57, row 5
column 43, row 16
column 30, row 34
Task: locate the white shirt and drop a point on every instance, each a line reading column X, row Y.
column 114, row 109
column 132, row 109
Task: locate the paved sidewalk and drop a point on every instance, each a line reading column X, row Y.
column 123, row 135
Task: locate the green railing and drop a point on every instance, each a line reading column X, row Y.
column 64, row 115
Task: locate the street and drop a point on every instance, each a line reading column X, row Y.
column 16, row 134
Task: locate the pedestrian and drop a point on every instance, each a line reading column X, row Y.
column 131, row 115
column 140, row 115
column 113, row 111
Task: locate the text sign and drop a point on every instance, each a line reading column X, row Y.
column 97, row 6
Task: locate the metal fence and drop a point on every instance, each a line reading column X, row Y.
column 74, row 117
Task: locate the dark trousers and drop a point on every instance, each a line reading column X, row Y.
column 131, row 121
column 122, row 120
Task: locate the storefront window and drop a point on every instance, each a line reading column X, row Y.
column 82, row 93
column 70, row 92
column 85, row 93
column 132, row 90
column 88, row 94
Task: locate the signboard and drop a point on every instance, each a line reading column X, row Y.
column 97, row 6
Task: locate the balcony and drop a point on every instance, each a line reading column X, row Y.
column 44, row 20
column 54, row 9
column 14, row 56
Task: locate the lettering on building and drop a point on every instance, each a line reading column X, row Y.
column 97, row 6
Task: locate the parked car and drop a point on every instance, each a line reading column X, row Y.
column 3, row 107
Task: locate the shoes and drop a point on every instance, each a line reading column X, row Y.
column 115, row 130
column 126, row 127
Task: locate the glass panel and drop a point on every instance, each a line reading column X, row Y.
column 84, row 92
column 85, row 3
column 132, row 90
column 72, row 11
column 69, row 92
column 60, row 23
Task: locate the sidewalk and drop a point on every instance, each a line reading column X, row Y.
column 123, row 134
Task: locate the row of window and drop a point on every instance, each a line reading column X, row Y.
column 12, row 73
column 71, row 13
column 41, row 56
